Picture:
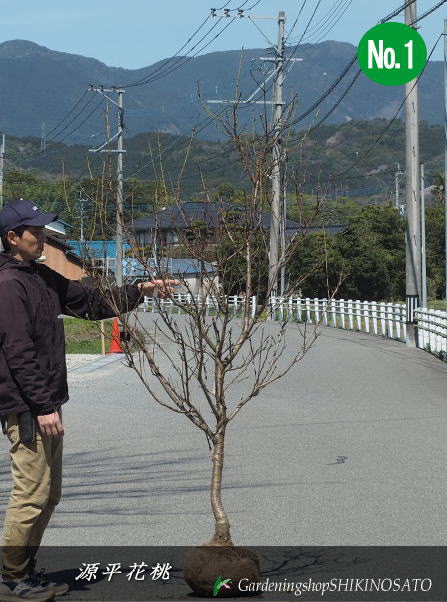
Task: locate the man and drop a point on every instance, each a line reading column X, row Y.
column 33, row 384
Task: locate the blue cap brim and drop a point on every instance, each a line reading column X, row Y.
column 41, row 220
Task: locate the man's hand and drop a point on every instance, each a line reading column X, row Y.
column 164, row 288
column 50, row 424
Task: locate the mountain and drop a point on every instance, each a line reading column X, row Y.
column 357, row 159
column 40, row 85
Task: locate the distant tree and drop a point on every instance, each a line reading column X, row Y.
column 435, row 251
column 438, row 189
column 315, row 265
column 370, row 255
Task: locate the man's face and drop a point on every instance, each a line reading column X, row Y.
column 29, row 246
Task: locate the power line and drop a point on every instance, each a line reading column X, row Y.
column 149, row 78
column 207, row 121
column 80, row 99
column 330, row 26
column 392, row 119
column 325, row 18
column 51, row 139
column 50, row 152
column 342, row 75
column 177, row 64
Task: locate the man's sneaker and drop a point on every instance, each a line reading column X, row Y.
column 42, row 580
column 25, row 589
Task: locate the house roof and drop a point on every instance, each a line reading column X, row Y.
column 180, row 217
column 102, row 249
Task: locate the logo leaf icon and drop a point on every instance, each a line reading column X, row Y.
column 220, row 582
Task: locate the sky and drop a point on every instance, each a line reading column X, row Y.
column 137, row 33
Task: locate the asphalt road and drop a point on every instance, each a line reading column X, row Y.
column 349, row 448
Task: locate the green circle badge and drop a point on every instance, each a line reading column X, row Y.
column 392, row 54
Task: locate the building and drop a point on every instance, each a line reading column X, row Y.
column 195, row 276
column 58, row 254
column 172, row 223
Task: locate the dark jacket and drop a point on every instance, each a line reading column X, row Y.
column 33, row 374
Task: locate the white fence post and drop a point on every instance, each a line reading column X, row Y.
column 342, row 312
column 431, row 334
column 324, row 310
column 350, row 315
column 397, row 315
column 334, row 312
column 308, row 318
column 317, row 310
column 382, row 310
column 358, row 314
column 366, row 315
column 374, row 317
column 390, row 309
column 299, row 312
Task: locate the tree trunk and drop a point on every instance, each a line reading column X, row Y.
column 222, row 525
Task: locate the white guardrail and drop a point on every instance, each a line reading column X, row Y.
column 371, row 317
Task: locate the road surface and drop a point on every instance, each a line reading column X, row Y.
column 350, row 448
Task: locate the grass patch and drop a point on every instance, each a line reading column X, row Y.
column 82, row 336
column 432, row 304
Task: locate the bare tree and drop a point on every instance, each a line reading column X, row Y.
column 218, row 345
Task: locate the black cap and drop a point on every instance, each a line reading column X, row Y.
column 23, row 213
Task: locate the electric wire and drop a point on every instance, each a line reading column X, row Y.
column 149, row 78
column 165, row 64
column 343, row 74
column 176, row 66
column 208, row 121
column 391, row 121
column 324, row 18
column 38, row 154
column 329, row 89
column 183, row 60
column 354, row 58
column 32, row 153
column 312, row 39
column 80, row 99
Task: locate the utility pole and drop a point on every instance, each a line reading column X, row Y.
column 423, row 249
column 43, row 137
column 278, row 159
column 2, row 155
column 396, row 186
column 82, row 203
column 119, row 173
column 278, row 208
column 445, row 153
column 413, row 198
column 283, row 243
column 119, row 194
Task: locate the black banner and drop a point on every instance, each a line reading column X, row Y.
column 285, row 573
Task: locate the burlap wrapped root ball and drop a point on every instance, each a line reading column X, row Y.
column 204, row 564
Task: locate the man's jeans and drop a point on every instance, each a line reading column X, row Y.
column 37, row 475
